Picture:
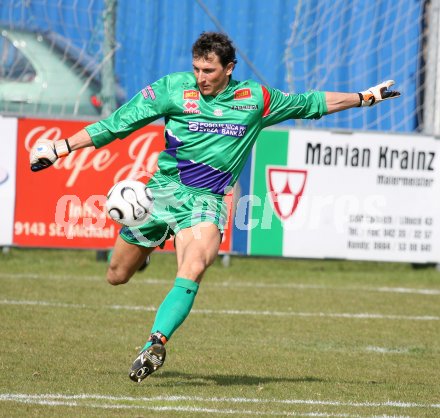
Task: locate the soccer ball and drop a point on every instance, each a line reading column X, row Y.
column 129, row 202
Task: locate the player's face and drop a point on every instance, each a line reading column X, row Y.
column 212, row 77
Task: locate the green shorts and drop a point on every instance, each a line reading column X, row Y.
column 175, row 207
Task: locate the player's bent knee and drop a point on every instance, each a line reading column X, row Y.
column 193, row 270
column 115, row 276
column 199, row 267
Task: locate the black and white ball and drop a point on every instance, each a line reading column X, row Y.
column 129, row 202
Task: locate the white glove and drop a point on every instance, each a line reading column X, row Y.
column 377, row 94
column 45, row 152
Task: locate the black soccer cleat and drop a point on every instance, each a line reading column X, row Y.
column 149, row 360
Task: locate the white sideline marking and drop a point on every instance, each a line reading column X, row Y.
column 29, row 398
column 226, row 311
column 407, row 290
column 324, row 287
column 234, row 284
column 169, row 408
column 384, row 350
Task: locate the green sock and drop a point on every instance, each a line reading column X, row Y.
column 175, row 308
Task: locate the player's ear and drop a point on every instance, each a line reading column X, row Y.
column 229, row 68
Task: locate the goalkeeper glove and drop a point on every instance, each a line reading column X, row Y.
column 377, row 93
column 45, row 152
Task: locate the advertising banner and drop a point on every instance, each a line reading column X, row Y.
column 63, row 206
column 357, row 196
column 8, row 127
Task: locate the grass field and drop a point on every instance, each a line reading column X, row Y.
column 267, row 337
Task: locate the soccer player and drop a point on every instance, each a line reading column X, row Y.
column 211, row 124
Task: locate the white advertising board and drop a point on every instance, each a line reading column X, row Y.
column 8, row 152
column 369, row 196
column 360, row 196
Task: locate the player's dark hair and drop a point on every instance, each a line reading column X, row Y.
column 215, row 42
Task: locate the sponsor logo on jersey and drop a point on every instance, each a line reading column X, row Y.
column 227, row 129
column 191, row 95
column 242, row 94
column 218, row 112
column 244, row 107
column 191, row 107
column 148, row 93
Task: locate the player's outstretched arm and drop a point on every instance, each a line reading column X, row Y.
column 45, row 151
column 370, row 97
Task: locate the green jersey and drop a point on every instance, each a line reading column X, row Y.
column 208, row 139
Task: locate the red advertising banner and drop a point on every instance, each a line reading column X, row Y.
column 63, row 206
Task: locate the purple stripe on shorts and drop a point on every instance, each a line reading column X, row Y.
column 203, row 176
